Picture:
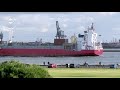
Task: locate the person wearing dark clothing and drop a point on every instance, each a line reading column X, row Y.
column 99, row 63
column 43, row 63
column 85, row 63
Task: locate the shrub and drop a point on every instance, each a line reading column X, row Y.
column 15, row 69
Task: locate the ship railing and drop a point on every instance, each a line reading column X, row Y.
column 98, row 44
column 37, row 47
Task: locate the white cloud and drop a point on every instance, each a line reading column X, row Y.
column 116, row 29
column 66, row 19
column 52, row 18
column 44, row 30
column 84, row 19
column 116, row 33
column 107, row 13
column 4, row 29
column 81, row 28
column 8, row 18
column 65, row 25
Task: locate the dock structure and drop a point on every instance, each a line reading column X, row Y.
column 85, row 66
column 111, row 50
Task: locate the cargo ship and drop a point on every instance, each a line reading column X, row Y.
column 86, row 44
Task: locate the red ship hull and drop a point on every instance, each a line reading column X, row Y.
column 48, row 52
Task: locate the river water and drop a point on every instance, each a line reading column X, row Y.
column 106, row 58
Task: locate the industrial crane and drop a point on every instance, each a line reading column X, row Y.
column 60, row 33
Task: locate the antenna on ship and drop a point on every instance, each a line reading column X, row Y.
column 60, row 33
column 92, row 27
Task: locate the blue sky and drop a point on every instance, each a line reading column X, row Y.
column 31, row 26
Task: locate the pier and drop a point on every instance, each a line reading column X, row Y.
column 111, row 50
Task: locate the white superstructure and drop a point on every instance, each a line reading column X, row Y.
column 88, row 41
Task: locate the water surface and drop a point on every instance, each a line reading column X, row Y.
column 105, row 58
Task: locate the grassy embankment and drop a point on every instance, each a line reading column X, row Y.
column 83, row 73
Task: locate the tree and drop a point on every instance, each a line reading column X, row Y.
column 15, row 69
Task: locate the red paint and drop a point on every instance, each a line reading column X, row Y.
column 48, row 52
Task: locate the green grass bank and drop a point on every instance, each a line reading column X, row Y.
column 83, row 73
